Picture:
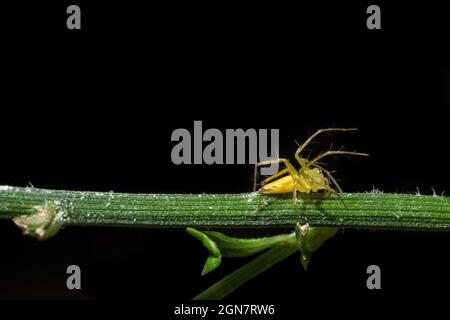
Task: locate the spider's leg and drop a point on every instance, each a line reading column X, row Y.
column 303, row 146
column 322, row 185
column 333, row 152
column 294, row 193
column 273, row 177
column 328, row 173
column 290, row 168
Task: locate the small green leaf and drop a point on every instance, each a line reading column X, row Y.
column 220, row 245
column 211, row 264
column 215, row 257
column 261, row 263
column 243, row 247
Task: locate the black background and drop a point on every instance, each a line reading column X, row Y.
column 93, row 109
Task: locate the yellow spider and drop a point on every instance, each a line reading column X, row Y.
column 309, row 178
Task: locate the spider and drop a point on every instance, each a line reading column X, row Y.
column 309, row 178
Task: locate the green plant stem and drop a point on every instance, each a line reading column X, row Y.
column 361, row 210
column 247, row 272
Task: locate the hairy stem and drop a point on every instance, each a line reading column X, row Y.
column 361, row 210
